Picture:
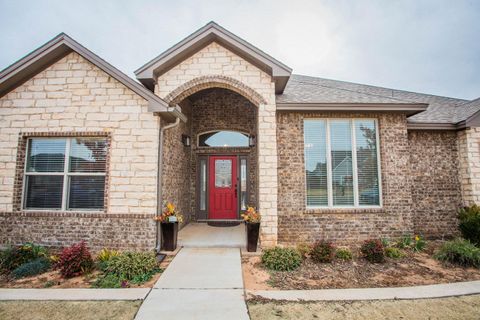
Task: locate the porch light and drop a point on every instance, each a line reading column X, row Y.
column 252, row 140
column 186, row 140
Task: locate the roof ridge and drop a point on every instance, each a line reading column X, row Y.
column 385, row 88
column 365, row 93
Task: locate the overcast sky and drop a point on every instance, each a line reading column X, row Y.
column 425, row 46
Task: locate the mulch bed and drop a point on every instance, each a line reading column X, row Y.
column 413, row 269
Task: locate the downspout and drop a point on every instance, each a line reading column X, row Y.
column 160, row 177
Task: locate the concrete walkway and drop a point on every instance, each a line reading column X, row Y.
column 74, row 294
column 201, row 235
column 200, row 283
column 417, row 292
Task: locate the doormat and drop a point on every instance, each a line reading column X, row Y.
column 223, row 223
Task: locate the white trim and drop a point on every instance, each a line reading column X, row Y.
column 354, row 166
column 66, row 177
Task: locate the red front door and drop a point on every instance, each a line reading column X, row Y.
column 223, row 187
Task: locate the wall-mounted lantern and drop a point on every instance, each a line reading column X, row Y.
column 252, row 140
column 186, row 140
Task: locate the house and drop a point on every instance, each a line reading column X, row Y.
column 214, row 124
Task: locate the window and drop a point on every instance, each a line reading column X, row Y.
column 65, row 173
column 223, row 139
column 341, row 163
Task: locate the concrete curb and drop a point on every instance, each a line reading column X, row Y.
column 418, row 292
column 74, row 294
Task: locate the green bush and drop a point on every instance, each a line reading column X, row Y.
column 37, row 266
column 469, row 225
column 461, row 252
column 343, row 254
column 110, row 280
column 373, row 251
column 322, row 251
column 132, row 264
column 419, row 244
column 15, row 256
column 304, row 249
column 394, row 253
column 281, row 259
column 405, row 242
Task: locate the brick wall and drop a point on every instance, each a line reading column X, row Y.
column 215, row 66
column 435, row 183
column 73, row 95
column 297, row 224
column 222, row 109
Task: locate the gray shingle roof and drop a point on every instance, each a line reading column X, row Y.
column 467, row 110
column 305, row 89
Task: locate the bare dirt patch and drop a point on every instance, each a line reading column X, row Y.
column 413, row 269
column 466, row 307
column 78, row 310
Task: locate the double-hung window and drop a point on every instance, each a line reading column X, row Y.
column 65, row 173
column 342, row 163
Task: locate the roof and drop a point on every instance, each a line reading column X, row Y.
column 212, row 32
column 303, row 90
column 57, row 48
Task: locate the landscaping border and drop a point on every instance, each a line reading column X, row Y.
column 415, row 292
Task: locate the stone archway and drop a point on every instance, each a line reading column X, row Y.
column 214, row 81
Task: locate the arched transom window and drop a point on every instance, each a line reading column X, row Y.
column 223, row 138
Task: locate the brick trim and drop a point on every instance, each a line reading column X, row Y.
column 321, row 211
column 213, row 81
column 76, row 214
column 20, row 165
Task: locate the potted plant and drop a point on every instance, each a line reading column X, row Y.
column 252, row 224
column 169, row 220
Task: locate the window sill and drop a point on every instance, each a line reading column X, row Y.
column 374, row 210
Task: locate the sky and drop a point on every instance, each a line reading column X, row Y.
column 429, row 46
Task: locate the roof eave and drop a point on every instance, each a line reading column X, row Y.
column 409, row 109
column 431, row 126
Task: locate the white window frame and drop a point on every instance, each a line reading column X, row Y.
column 66, row 176
column 354, row 165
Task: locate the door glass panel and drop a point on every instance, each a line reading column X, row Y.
column 203, row 184
column 223, row 173
column 243, row 184
column 223, row 139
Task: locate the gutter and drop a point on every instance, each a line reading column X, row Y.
column 160, row 177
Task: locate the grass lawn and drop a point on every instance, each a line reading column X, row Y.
column 72, row 310
column 466, row 307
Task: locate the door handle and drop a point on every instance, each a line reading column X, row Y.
column 235, row 190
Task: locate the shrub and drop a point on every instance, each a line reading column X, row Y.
column 75, row 260
column 132, row 264
column 461, row 252
column 394, row 253
column 14, row 257
column 322, row 251
column 281, row 259
column 37, row 266
column 469, row 225
column 405, row 242
column 418, row 244
column 110, row 280
column 106, row 254
column 373, row 250
column 343, row 254
column 304, row 250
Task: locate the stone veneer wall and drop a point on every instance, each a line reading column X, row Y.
column 436, row 191
column 299, row 224
column 215, row 66
column 469, row 165
column 222, row 109
column 73, row 95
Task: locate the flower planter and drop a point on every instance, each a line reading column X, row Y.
column 169, row 235
column 252, row 235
